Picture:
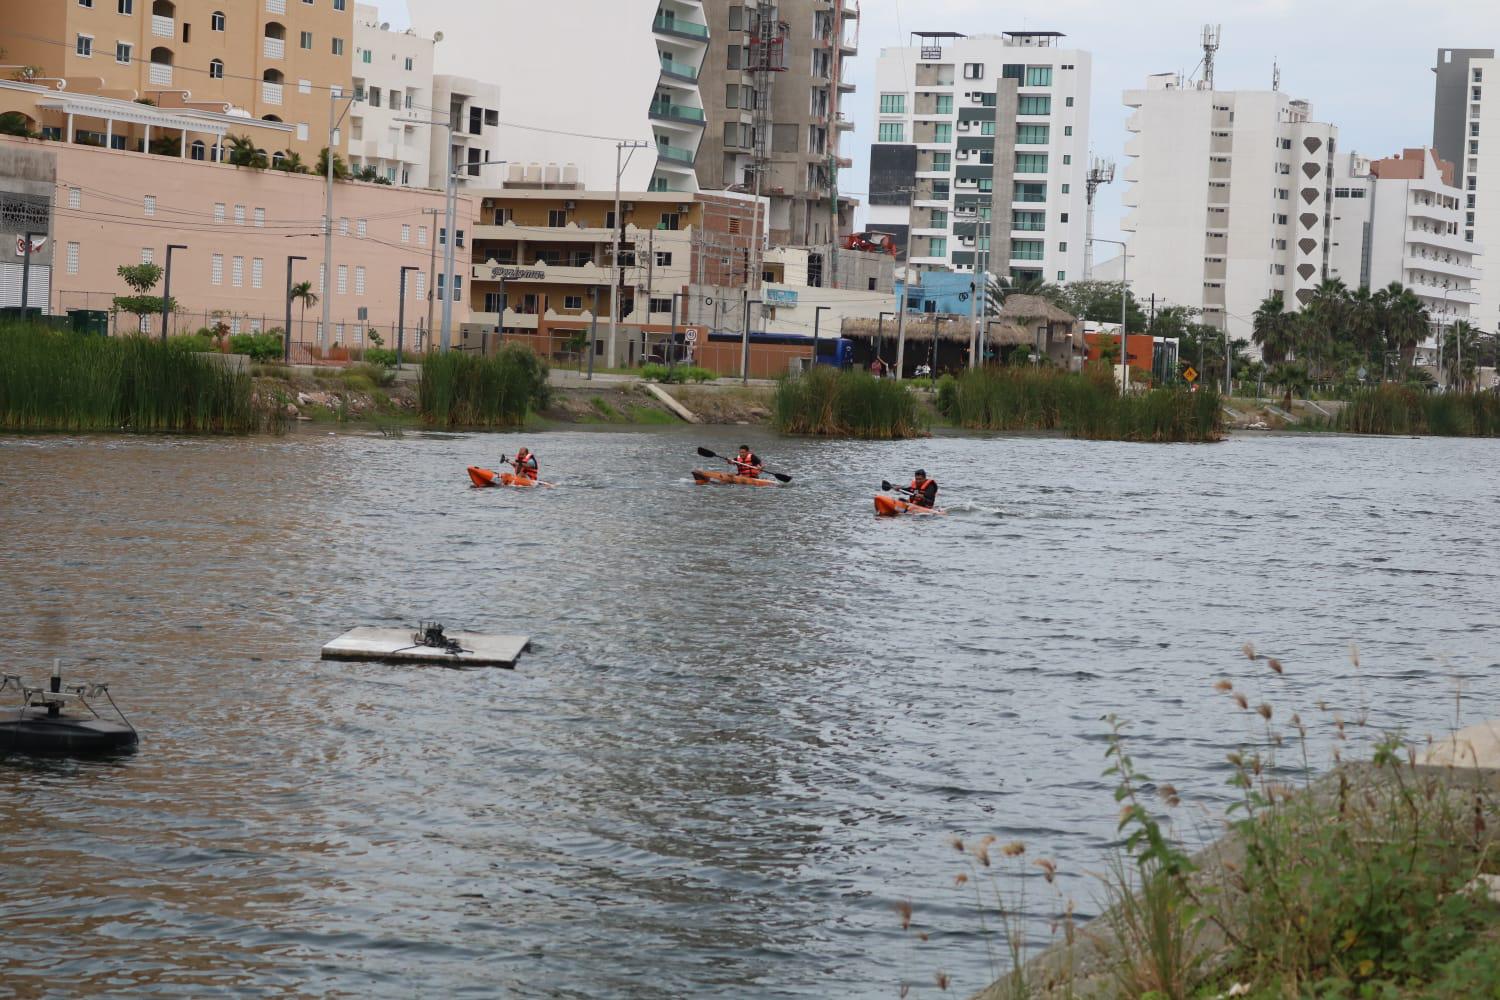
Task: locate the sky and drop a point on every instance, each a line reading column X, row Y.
column 1366, row 67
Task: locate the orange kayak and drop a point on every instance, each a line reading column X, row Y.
column 891, row 507
column 728, row 478
column 487, row 477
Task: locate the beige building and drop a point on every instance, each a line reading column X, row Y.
column 238, row 227
column 253, row 60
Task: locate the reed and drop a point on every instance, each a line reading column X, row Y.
column 498, row 390
column 1400, row 409
column 61, row 381
column 1085, row 405
column 826, row 402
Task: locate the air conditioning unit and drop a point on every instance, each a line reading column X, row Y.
column 627, row 206
column 684, row 207
column 570, row 205
column 487, row 203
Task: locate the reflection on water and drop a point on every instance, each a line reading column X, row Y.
column 749, row 719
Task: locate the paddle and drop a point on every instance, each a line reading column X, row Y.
column 779, row 475
column 506, row 461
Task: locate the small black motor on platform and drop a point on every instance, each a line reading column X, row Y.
column 431, row 634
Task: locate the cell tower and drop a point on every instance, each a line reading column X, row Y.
column 1100, row 172
column 1211, row 34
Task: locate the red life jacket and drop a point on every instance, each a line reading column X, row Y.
column 526, row 466
column 747, row 466
column 924, row 493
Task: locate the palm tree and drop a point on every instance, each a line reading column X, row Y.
column 340, row 168
column 242, row 153
column 1407, row 322
column 1324, row 323
column 1363, row 322
column 291, row 163
column 1275, row 330
column 1461, row 353
column 303, row 291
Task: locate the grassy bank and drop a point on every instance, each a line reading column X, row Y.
column 1396, row 409
column 62, row 381
column 464, row 390
column 1085, row 405
column 826, row 402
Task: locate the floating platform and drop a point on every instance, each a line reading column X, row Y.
column 403, row 645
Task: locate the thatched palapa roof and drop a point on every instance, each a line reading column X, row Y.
column 1034, row 309
column 918, row 327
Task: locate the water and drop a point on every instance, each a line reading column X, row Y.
column 750, row 720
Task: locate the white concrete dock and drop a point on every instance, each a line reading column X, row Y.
column 401, row 645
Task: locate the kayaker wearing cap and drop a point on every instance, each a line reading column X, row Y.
column 923, row 491
column 746, row 463
column 525, row 464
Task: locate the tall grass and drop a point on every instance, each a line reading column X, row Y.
column 465, row 390
column 1086, row 405
column 62, row 381
column 1399, row 409
column 826, row 402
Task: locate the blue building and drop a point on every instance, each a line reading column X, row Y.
column 937, row 292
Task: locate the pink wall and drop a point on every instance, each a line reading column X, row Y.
column 112, row 224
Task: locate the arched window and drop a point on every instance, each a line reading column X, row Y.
column 198, row 150
column 277, row 156
column 272, row 76
column 271, row 118
column 216, row 69
column 216, row 22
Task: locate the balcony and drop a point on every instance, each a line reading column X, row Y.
column 570, row 233
column 666, row 111
column 674, row 155
column 160, row 74
column 163, row 27
column 589, row 274
column 669, row 25
column 1438, row 266
column 274, row 48
column 270, row 93
column 678, row 71
column 275, row 6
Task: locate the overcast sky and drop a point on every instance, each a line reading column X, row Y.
column 1366, row 67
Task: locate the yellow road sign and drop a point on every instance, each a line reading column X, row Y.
column 1191, row 374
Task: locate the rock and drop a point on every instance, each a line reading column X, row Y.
column 291, row 411
column 1472, row 746
column 303, row 399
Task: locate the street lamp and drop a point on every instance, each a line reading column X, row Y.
column 26, row 269
column 672, row 346
column 1124, row 299
column 166, row 291
column 334, row 96
column 451, row 240
column 745, row 340
column 817, row 315
column 401, row 313
column 286, row 352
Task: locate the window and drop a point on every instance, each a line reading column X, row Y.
column 669, row 220
column 890, row 104
column 260, row 218
column 937, row 246
column 986, row 184
column 1034, row 104
column 1027, row 249
column 986, row 128
column 663, row 258
column 1029, row 222
column 1012, row 71
column 239, row 215
column 973, row 71
column 148, row 255
column 939, row 219
column 458, row 286
column 891, row 132
column 1064, row 217
column 421, row 236
column 945, row 104
column 122, row 52
column 150, row 205
column 359, row 280
column 257, row 271
column 458, row 238
column 405, row 232
column 1068, row 102
column 1062, row 275
column 361, row 228
column 1067, row 130
column 1062, row 247
column 307, row 40
column 1067, row 159
column 125, row 6
column 85, row 46
column 340, row 4
column 216, row 69
column 1038, row 76
column 942, row 133
column 237, row 272
column 1033, row 135
column 409, row 64
column 343, row 226
column 216, row 21
column 338, row 46
column 72, row 258
column 1474, row 129
column 1030, row 191
column 1031, row 163
column 374, row 94
column 569, row 302
column 557, row 218
column 86, row 3
column 942, row 162
column 1066, row 188
column 660, row 305
column 343, row 273
column 75, row 197
column 732, row 58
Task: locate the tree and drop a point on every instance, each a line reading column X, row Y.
column 1407, row 321
column 242, row 153
column 15, row 123
column 1099, row 301
column 166, row 145
column 291, row 163
column 1323, row 325
column 340, row 168
column 1274, row 330
column 141, row 278
column 303, row 291
column 1461, row 353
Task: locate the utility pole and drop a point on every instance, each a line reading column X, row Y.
column 618, row 275
column 334, row 96
column 450, row 200
column 650, row 287
column 905, row 289
column 432, row 271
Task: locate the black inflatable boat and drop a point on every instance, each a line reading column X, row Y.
column 61, row 721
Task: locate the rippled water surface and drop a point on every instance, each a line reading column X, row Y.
column 750, row 719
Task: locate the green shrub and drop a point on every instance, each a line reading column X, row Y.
column 700, row 375
column 947, row 396
column 196, row 342
column 380, row 356
column 64, row 382
column 464, row 390
column 831, row 403
column 1408, row 409
column 368, row 374
column 259, row 346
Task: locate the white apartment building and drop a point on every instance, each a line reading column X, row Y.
column 472, row 110
column 392, row 79
column 1228, row 198
column 1463, row 123
column 573, row 74
column 981, row 149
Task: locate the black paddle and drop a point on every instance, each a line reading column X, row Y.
column 779, row 475
column 898, row 489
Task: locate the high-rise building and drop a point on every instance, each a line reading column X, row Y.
column 962, row 121
column 1228, row 198
column 393, row 92
column 774, row 81
column 575, row 76
column 1460, row 116
column 273, row 61
column 1401, row 219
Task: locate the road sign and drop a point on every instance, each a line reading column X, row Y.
column 1362, row 373
column 1191, row 374
column 690, row 334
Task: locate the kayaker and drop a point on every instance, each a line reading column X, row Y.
column 525, row 464
column 747, row 463
column 923, row 491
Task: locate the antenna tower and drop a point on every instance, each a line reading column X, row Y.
column 1211, row 34
column 1100, row 172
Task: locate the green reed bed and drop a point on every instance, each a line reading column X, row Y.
column 826, row 402
column 63, row 381
column 1085, row 405
column 466, row 390
column 1399, row 409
